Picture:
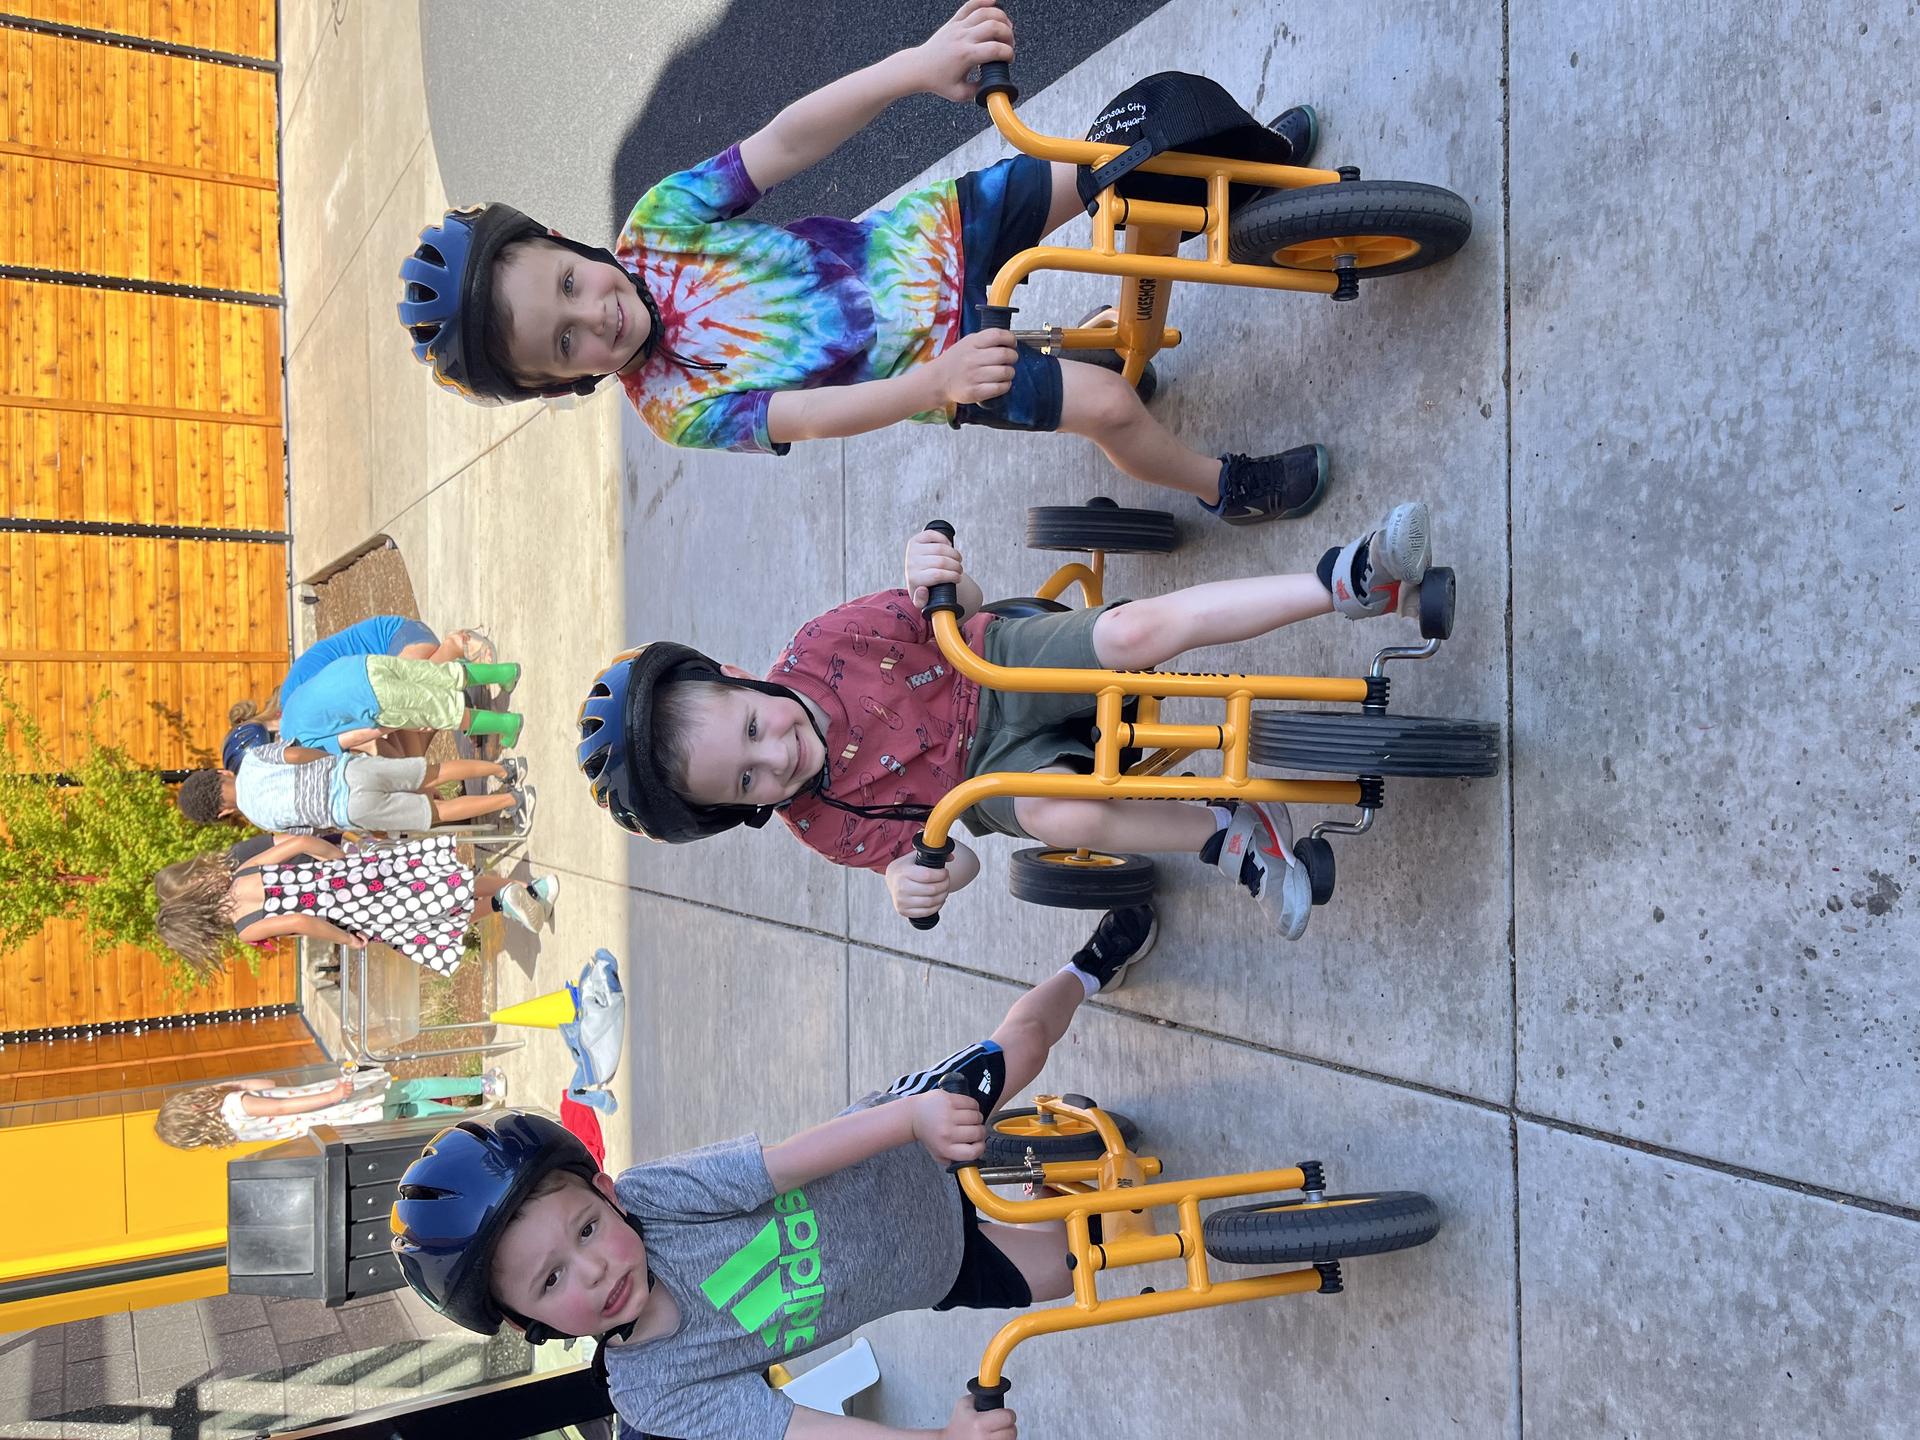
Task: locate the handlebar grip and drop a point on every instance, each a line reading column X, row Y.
column 933, row 857
column 954, row 1083
column 988, row 1397
column 996, row 78
column 941, row 597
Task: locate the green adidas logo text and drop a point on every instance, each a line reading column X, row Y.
column 772, row 1284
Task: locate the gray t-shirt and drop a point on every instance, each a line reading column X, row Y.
column 761, row 1277
column 282, row 798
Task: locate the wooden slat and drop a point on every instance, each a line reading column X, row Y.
column 230, row 27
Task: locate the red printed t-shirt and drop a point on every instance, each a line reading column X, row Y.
column 900, row 722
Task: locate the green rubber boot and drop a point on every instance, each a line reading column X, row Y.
column 503, row 674
column 504, row 723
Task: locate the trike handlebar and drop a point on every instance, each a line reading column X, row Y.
column 941, row 597
column 996, row 78
column 934, row 858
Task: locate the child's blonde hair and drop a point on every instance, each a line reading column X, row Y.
column 191, row 911
column 191, row 1119
column 242, row 711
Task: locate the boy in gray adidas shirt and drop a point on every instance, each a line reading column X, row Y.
column 701, row 1269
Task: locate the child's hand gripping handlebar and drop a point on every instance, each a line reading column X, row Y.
column 985, row 1397
column 939, row 597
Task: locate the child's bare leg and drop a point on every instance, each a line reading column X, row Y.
column 1066, row 202
column 1128, row 826
column 1102, row 407
column 1145, row 633
column 1040, row 1254
column 1034, row 1026
column 468, row 807
column 424, row 650
column 462, row 771
column 405, row 744
column 485, row 887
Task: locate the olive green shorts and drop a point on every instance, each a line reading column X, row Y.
column 1025, row 731
column 418, row 694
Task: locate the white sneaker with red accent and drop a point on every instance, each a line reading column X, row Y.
column 1256, row 853
column 1397, row 553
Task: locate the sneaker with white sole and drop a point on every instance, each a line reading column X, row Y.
column 1120, row 941
column 525, row 908
column 493, row 1085
column 1256, row 853
column 547, row 887
column 1371, row 575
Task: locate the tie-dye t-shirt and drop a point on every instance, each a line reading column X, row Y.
column 821, row 301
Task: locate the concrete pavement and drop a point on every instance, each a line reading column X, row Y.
column 1640, row 1014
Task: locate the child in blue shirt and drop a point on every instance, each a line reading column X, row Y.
column 730, row 333
column 358, row 698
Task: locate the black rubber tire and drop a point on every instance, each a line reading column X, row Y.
column 1346, row 743
column 1041, row 881
column 1284, row 1232
column 1317, row 855
column 1107, row 527
column 1436, row 604
column 1437, row 220
column 1012, row 1149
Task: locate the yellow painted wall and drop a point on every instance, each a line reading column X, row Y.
column 94, row 1192
column 111, row 1299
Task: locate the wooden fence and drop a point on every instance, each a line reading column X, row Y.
column 142, row 456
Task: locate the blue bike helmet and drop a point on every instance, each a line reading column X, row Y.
column 616, row 751
column 240, row 739
column 446, row 304
column 456, row 1200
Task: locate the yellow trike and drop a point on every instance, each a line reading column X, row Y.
column 1134, row 749
column 1267, row 226
column 1077, row 1165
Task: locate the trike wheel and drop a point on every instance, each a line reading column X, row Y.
column 1063, row 1137
column 1101, row 526
column 1080, row 879
column 1332, row 742
column 1302, row 1231
column 1388, row 226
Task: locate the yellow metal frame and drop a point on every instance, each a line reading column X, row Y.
column 1148, row 262
column 1146, row 265
column 1167, row 744
column 1122, row 1188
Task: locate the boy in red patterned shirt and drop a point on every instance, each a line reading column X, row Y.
column 862, row 725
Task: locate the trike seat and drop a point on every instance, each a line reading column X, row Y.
column 1021, row 606
column 1176, row 111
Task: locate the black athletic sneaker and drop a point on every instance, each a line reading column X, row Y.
column 1258, row 488
column 1121, row 939
column 1300, row 128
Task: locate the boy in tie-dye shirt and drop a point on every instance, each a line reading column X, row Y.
column 730, row 333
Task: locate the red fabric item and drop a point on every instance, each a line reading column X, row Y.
column 584, row 1122
column 900, row 721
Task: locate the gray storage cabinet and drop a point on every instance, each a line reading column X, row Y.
column 308, row 1217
